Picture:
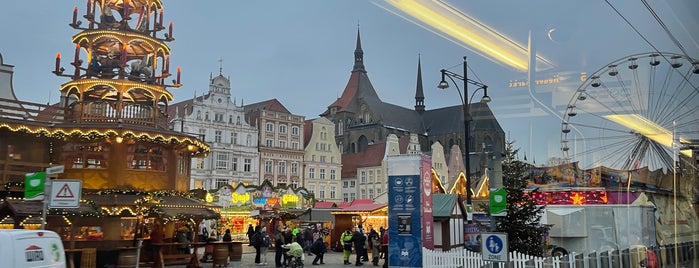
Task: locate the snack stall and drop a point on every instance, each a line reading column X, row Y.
column 360, row 211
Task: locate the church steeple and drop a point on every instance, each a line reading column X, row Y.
column 358, row 55
column 419, row 96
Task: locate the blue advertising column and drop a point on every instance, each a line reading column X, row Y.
column 410, row 223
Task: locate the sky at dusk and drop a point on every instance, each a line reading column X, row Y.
column 301, row 52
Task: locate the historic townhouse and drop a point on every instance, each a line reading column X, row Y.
column 221, row 122
column 280, row 142
column 323, row 164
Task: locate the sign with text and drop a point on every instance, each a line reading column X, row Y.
column 65, row 193
column 494, row 247
column 409, row 209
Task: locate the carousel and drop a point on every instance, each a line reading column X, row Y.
column 110, row 131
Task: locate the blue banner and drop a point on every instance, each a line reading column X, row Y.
column 404, row 219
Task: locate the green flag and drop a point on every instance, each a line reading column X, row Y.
column 498, row 201
column 34, row 186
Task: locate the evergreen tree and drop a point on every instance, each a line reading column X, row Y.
column 522, row 223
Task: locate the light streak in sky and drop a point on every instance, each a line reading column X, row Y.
column 456, row 26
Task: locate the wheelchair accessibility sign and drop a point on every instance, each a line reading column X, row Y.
column 494, row 247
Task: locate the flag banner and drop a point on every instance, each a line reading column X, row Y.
column 34, row 186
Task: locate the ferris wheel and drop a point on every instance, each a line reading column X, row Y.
column 638, row 111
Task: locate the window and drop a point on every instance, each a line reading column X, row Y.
column 362, row 177
column 269, row 127
column 221, row 182
column 363, row 195
column 322, row 159
column 322, row 192
column 268, row 166
column 353, row 184
column 234, row 138
column 230, row 119
column 269, row 142
column 332, row 175
column 222, row 160
column 206, row 116
column 282, row 144
column 235, row 164
column 237, row 121
column 371, row 193
column 311, row 173
column 295, row 131
column 312, row 188
column 321, row 172
column 248, row 141
column 282, row 128
column 294, row 168
column 218, row 117
column 332, row 191
column 353, row 196
column 295, row 145
column 198, row 115
column 344, row 184
column 200, row 163
column 371, row 176
column 248, row 164
column 282, row 167
column 217, row 136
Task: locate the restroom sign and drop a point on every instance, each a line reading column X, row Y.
column 65, row 193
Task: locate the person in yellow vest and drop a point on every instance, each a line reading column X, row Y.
column 346, row 241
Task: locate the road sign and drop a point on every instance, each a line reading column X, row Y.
column 55, row 170
column 494, row 247
column 65, row 193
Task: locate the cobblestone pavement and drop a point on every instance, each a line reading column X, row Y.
column 332, row 259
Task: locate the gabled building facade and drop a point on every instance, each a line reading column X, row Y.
column 323, row 161
column 280, row 142
column 216, row 118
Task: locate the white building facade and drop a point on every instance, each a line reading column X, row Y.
column 220, row 122
column 323, row 161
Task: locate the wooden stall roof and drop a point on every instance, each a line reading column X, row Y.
column 444, row 205
column 172, row 206
column 22, row 208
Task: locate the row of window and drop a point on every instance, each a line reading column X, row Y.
column 269, row 127
column 219, row 118
column 321, row 191
column 321, row 174
column 348, row 197
column 281, row 167
column 218, row 137
column 282, row 144
column 224, row 161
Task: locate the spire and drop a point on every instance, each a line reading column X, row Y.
column 419, row 96
column 220, row 66
column 358, row 55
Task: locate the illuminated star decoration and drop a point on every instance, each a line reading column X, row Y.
column 577, row 198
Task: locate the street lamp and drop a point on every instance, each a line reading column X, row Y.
column 467, row 116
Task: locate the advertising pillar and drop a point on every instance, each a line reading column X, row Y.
column 410, row 223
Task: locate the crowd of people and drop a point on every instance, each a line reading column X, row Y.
column 292, row 244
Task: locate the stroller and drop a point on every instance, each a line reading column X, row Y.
column 295, row 254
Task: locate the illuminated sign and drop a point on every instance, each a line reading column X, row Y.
column 523, row 83
column 290, row 200
column 237, row 198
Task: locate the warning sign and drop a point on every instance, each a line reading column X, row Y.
column 65, row 193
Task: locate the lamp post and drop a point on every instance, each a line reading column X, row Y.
column 467, row 116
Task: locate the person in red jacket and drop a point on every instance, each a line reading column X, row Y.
column 384, row 247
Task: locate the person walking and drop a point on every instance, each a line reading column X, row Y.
column 359, row 240
column 374, row 244
column 318, row 248
column 278, row 250
column 266, row 241
column 346, row 242
column 384, row 248
column 308, row 240
column 156, row 238
column 250, row 232
column 257, row 243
